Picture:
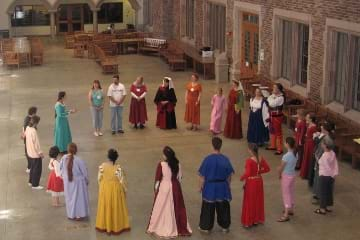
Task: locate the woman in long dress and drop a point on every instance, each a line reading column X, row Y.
column 138, row 113
column 112, row 213
column 309, row 145
column 258, row 126
column 218, row 103
column 253, row 202
column 192, row 102
column 62, row 133
column 165, row 101
column 168, row 218
column 75, row 176
column 233, row 128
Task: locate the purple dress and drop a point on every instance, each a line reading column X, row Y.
column 76, row 191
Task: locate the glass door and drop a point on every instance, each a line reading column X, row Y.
column 70, row 18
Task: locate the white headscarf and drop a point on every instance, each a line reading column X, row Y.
column 171, row 84
column 240, row 87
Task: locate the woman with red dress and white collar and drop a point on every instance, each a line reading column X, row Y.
column 276, row 103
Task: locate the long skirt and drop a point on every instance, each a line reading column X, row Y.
column 307, row 156
column 257, row 132
column 138, row 113
column 253, row 202
column 233, row 128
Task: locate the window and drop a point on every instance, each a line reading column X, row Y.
column 190, row 13
column 111, row 13
column 216, row 26
column 346, row 88
column 30, row 15
column 294, row 48
column 88, row 15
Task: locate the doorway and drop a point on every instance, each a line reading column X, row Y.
column 249, row 45
column 70, row 18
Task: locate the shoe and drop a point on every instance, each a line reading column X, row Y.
column 142, row 126
column 120, row 131
column 270, row 148
column 202, row 230
column 225, row 230
column 135, row 126
column 38, row 188
column 27, row 170
column 29, row 184
column 100, row 133
column 278, row 153
column 96, row 134
column 113, row 132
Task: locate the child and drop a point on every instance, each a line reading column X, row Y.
column 55, row 183
column 218, row 104
column 299, row 135
column 31, row 112
column 287, row 176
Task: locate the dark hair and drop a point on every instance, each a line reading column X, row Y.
column 166, row 80
column 312, row 117
column 280, row 87
column 236, row 83
column 32, row 110
column 255, row 150
column 328, row 126
column 34, row 120
column 216, row 143
column 195, row 75
column 116, row 76
column 54, row 152
column 72, row 149
column 171, row 159
column 97, row 82
column 113, row 155
column 61, row 95
column 291, row 142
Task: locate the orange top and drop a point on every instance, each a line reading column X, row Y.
column 193, row 91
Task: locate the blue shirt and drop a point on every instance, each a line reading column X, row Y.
column 290, row 159
column 216, row 169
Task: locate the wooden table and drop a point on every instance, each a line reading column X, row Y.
column 193, row 53
column 122, row 44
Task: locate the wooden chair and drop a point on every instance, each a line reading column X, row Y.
column 11, row 59
column 79, row 50
column 69, row 41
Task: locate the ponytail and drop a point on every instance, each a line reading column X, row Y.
column 72, row 149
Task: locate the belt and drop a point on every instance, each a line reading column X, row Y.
column 255, row 177
column 216, row 181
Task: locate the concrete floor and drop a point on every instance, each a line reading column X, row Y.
column 27, row 214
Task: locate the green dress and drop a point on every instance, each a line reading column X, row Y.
column 62, row 134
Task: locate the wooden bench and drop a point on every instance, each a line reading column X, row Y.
column 177, row 64
column 152, row 45
column 69, row 41
column 108, row 63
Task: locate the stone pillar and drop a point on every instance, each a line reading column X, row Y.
column 95, row 19
column 52, row 24
column 9, row 25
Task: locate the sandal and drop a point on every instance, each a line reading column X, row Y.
column 318, row 211
column 290, row 213
column 283, row 219
column 328, row 210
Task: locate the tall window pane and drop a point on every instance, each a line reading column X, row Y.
column 341, row 66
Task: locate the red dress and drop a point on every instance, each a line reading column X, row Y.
column 233, row 128
column 299, row 135
column 55, row 184
column 253, row 201
column 308, row 151
column 138, row 113
column 192, row 110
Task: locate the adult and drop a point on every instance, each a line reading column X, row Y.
column 31, row 112
column 62, row 133
column 112, row 214
column 165, row 101
column 215, row 175
column 96, row 101
column 192, row 102
column 138, row 113
column 116, row 94
column 218, row 104
column 253, row 212
column 168, row 218
column 276, row 103
column 309, row 145
column 75, row 176
column 34, row 153
column 233, row 128
column 258, row 125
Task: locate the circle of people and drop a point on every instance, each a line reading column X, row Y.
column 309, row 150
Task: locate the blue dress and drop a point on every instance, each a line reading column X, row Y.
column 76, row 192
column 257, row 132
column 62, row 133
column 216, row 169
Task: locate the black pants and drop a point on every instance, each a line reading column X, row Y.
column 35, row 171
column 326, row 187
column 27, row 157
column 207, row 215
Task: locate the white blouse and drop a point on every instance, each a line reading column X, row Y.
column 255, row 105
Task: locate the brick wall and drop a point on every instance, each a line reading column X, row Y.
column 347, row 10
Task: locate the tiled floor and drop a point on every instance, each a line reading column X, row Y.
column 27, row 214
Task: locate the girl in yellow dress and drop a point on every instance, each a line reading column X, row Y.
column 112, row 213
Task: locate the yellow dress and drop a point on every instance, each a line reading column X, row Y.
column 112, row 213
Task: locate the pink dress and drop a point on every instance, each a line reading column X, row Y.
column 168, row 218
column 218, row 104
